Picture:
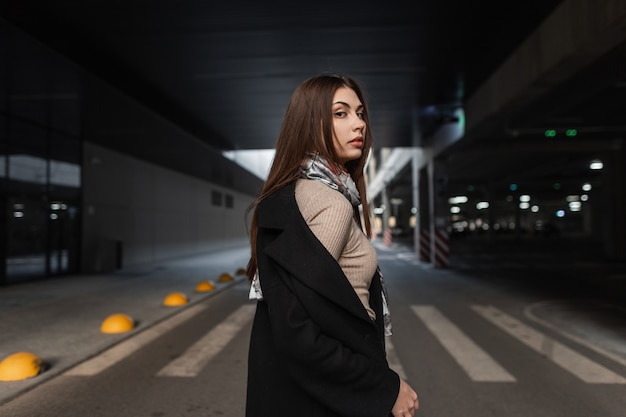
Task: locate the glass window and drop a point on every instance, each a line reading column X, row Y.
column 230, row 201
column 216, row 198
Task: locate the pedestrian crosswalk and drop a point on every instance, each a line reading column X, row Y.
column 200, row 353
column 120, row 351
column 565, row 357
column 478, row 365
column 467, row 353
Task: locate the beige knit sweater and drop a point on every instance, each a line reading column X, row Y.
column 330, row 216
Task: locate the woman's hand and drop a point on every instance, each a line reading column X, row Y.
column 406, row 404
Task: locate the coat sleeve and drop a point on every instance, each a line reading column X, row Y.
column 352, row 379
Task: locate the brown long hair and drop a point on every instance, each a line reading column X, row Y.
column 309, row 107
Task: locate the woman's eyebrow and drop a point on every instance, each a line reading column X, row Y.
column 360, row 106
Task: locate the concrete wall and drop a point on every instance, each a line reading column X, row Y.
column 151, row 213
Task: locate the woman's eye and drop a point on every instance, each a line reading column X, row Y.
column 340, row 113
column 361, row 114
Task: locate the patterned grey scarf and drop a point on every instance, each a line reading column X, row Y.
column 317, row 168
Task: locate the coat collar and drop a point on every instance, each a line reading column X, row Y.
column 298, row 251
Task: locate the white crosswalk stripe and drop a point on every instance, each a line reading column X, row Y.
column 615, row 357
column 190, row 363
column 579, row 365
column 118, row 352
column 478, row 365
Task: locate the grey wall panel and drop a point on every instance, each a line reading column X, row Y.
column 153, row 212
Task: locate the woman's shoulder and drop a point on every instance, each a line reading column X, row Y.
column 317, row 196
column 317, row 189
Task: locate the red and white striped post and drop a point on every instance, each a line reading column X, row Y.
column 442, row 250
column 387, row 237
column 424, row 246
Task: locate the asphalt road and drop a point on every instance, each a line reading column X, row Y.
column 491, row 335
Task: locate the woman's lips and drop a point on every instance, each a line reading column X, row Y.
column 357, row 142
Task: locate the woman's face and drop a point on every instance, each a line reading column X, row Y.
column 348, row 125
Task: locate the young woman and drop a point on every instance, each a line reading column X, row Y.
column 317, row 345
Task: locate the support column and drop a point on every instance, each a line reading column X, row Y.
column 415, row 203
column 616, row 239
column 386, row 229
column 431, row 209
column 384, row 154
column 439, row 230
column 424, row 216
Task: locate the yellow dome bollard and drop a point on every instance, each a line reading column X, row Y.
column 225, row 277
column 117, row 323
column 20, row 365
column 205, row 286
column 175, row 299
column 241, row 271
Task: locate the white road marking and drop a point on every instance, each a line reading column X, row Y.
column 573, row 362
column 615, row 357
column 190, row 363
column 392, row 358
column 478, row 365
column 120, row 351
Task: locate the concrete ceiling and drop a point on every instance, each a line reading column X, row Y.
column 223, row 72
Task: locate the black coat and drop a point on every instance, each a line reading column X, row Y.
column 314, row 351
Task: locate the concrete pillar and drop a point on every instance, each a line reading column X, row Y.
column 430, row 168
column 384, row 154
column 415, row 203
column 616, row 240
